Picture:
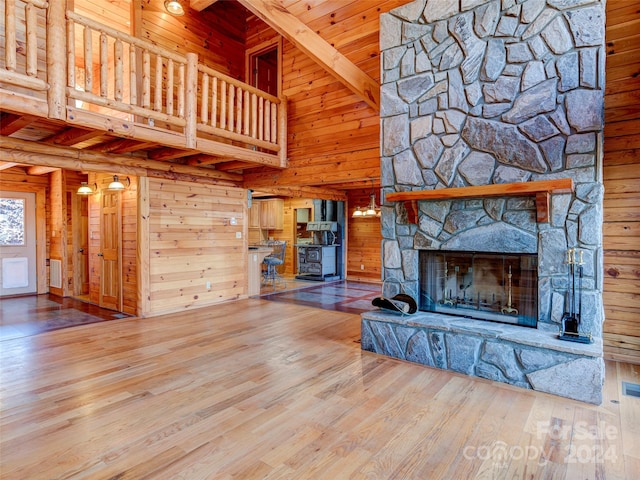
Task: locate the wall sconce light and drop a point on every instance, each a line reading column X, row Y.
column 174, row 7
column 117, row 184
column 86, row 189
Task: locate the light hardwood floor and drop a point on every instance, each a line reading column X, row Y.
column 263, row 390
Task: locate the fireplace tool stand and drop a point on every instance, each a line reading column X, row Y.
column 571, row 319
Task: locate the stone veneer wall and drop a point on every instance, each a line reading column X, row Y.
column 480, row 92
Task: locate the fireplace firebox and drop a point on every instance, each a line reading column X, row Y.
column 484, row 286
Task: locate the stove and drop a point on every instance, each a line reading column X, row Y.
column 316, row 262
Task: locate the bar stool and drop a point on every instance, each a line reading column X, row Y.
column 272, row 261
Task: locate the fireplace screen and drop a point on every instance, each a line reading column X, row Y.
column 486, row 286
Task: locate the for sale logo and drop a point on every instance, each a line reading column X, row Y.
column 581, row 442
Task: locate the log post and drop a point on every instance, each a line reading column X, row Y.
column 169, row 92
column 32, row 39
column 191, row 101
column 204, row 102
column 214, row 102
column 56, row 63
column 10, row 36
column 282, row 132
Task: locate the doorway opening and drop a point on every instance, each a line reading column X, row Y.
column 264, row 67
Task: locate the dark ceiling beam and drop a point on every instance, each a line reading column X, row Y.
column 72, row 136
column 11, row 122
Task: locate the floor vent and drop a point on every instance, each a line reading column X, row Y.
column 631, row 389
column 55, row 273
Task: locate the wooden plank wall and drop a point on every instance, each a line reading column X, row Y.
column 622, row 182
column 192, row 242
column 333, row 136
column 129, row 247
column 364, row 241
column 216, row 34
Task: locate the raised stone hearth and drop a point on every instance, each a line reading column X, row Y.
column 483, row 92
column 496, row 351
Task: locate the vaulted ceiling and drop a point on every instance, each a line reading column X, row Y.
column 330, row 76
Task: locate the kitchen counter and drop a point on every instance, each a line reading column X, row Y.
column 256, row 255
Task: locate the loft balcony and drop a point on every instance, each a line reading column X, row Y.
column 67, row 80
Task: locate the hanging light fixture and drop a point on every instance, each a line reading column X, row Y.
column 372, row 210
column 117, row 184
column 85, row 189
column 174, row 7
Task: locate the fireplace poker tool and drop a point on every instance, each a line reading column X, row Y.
column 509, row 308
column 571, row 319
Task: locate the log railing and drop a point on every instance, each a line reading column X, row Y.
column 116, row 75
column 23, row 41
column 113, row 66
column 236, row 111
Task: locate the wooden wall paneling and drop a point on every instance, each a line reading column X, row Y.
column 130, row 247
column 621, row 175
column 216, row 35
column 114, row 14
column 143, row 251
column 192, row 242
column 318, row 103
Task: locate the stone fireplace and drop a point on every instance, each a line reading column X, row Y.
column 483, row 96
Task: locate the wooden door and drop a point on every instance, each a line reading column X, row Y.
column 17, row 243
column 110, row 251
column 266, row 72
column 264, row 69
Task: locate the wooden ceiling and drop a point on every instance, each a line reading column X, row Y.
column 331, row 71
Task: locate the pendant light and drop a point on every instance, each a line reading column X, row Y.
column 372, row 210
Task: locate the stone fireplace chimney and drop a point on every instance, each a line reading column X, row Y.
column 489, row 92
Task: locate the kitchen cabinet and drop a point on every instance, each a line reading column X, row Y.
column 254, row 215
column 272, row 214
column 267, row 214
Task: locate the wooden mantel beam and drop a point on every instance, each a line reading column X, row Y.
column 540, row 189
column 304, row 38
